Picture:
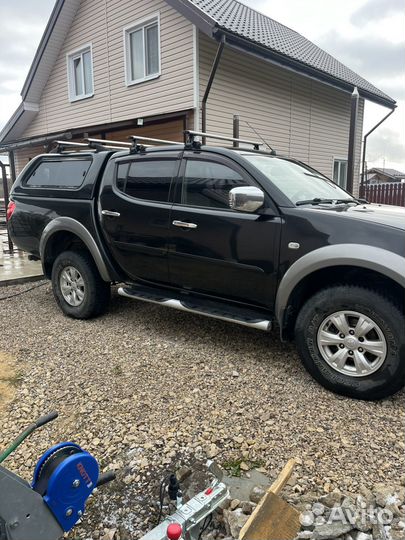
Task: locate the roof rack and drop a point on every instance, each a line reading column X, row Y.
column 60, row 145
column 191, row 135
column 105, row 144
column 135, row 147
column 91, row 144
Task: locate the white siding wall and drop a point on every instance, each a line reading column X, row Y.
column 23, row 156
column 299, row 117
column 101, row 22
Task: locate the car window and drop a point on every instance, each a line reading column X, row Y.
column 146, row 179
column 207, row 183
column 67, row 174
column 295, row 180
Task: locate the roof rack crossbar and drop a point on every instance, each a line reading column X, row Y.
column 106, row 142
column 192, row 134
column 71, row 144
column 149, row 139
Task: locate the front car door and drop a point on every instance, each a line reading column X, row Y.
column 213, row 249
column 135, row 210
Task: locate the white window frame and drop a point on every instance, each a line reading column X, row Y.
column 339, row 159
column 138, row 25
column 70, row 58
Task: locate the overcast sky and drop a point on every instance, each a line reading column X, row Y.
column 366, row 35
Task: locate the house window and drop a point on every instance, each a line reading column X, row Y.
column 80, row 73
column 142, row 51
column 340, row 172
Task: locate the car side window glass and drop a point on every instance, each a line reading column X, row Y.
column 67, row 174
column 122, row 173
column 207, row 184
column 146, row 179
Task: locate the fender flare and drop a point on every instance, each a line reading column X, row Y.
column 66, row 224
column 380, row 260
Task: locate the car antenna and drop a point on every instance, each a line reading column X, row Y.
column 273, row 152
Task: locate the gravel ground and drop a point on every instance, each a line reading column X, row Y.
column 146, row 389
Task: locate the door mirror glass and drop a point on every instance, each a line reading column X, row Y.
column 246, row 198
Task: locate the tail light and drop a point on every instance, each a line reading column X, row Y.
column 10, row 210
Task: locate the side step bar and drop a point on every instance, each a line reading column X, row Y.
column 208, row 309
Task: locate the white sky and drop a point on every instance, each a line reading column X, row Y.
column 366, row 35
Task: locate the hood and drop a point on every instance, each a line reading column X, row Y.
column 390, row 216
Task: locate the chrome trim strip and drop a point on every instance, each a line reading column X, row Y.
column 176, row 304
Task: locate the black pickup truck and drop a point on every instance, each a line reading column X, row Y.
column 236, row 234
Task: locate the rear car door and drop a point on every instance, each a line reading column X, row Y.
column 213, row 249
column 135, row 209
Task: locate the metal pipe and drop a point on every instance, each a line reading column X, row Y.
column 352, row 139
column 363, row 164
column 6, row 201
column 209, row 84
column 236, row 124
column 11, row 160
column 36, row 141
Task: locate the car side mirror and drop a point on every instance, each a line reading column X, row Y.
column 246, row 198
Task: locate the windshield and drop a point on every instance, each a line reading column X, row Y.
column 297, row 182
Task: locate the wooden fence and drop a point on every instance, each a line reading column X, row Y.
column 389, row 193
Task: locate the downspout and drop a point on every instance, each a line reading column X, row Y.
column 236, row 129
column 352, row 139
column 363, row 163
column 214, row 68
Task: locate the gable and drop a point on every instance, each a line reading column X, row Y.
column 113, row 100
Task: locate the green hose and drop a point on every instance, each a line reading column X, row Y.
column 16, row 443
column 32, row 427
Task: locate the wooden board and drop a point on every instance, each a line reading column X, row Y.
column 275, row 520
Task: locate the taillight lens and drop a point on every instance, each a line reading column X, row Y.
column 10, row 210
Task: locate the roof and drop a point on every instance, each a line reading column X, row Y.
column 254, row 29
column 244, row 27
column 392, row 173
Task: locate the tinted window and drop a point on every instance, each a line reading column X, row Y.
column 208, row 184
column 148, row 180
column 122, row 173
column 59, row 174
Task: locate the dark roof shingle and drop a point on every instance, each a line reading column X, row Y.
column 247, row 23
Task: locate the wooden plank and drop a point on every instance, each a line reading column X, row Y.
column 273, row 518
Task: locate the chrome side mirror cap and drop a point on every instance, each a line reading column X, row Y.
column 246, row 198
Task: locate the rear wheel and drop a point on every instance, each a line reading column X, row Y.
column 351, row 340
column 78, row 287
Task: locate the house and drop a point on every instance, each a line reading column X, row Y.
column 381, row 176
column 113, row 68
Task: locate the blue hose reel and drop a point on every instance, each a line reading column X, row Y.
column 65, row 476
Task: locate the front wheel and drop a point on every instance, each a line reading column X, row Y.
column 78, row 287
column 351, row 340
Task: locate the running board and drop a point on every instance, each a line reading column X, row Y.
column 199, row 307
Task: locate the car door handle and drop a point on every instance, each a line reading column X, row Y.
column 184, row 224
column 110, row 213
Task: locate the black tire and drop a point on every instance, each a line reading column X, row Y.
column 95, row 291
column 389, row 377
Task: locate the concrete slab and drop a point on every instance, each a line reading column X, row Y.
column 240, row 487
column 15, row 267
